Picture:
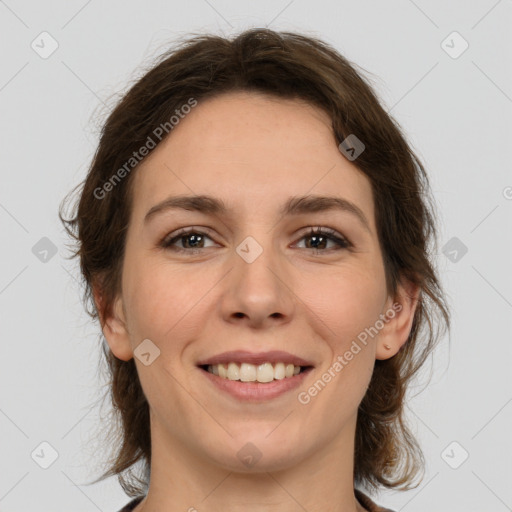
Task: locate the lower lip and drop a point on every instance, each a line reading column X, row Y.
column 257, row 391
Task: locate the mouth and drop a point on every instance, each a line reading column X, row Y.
column 255, row 377
column 255, row 384
column 246, row 372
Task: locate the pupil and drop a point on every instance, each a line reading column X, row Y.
column 192, row 237
column 316, row 240
column 315, row 237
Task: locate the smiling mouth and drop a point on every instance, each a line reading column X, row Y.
column 263, row 373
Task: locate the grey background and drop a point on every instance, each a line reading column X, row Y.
column 456, row 113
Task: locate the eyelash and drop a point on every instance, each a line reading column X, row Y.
column 330, row 234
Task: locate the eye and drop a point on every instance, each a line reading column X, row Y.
column 321, row 236
column 195, row 240
column 192, row 240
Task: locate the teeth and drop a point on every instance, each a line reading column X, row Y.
column 233, row 371
column 247, row 372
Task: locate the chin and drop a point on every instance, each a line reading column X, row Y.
column 259, row 453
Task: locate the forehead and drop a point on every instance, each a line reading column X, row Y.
column 250, row 150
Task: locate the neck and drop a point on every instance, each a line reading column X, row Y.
column 184, row 480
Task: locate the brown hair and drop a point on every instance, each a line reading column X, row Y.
column 285, row 65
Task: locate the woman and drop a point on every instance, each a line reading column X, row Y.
column 254, row 237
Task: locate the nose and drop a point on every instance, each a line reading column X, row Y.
column 257, row 291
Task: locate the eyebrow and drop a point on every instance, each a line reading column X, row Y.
column 294, row 206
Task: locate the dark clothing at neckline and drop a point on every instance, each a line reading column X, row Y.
column 365, row 501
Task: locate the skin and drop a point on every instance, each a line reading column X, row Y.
column 254, row 152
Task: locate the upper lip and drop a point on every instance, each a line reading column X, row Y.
column 243, row 356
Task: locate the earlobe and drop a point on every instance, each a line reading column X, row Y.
column 113, row 325
column 400, row 318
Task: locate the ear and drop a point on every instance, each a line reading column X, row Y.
column 113, row 325
column 400, row 315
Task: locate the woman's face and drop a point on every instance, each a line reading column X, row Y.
column 252, row 279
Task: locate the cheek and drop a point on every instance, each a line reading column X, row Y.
column 157, row 297
column 356, row 302
column 349, row 300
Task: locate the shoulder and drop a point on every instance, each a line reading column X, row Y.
column 368, row 504
column 130, row 506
